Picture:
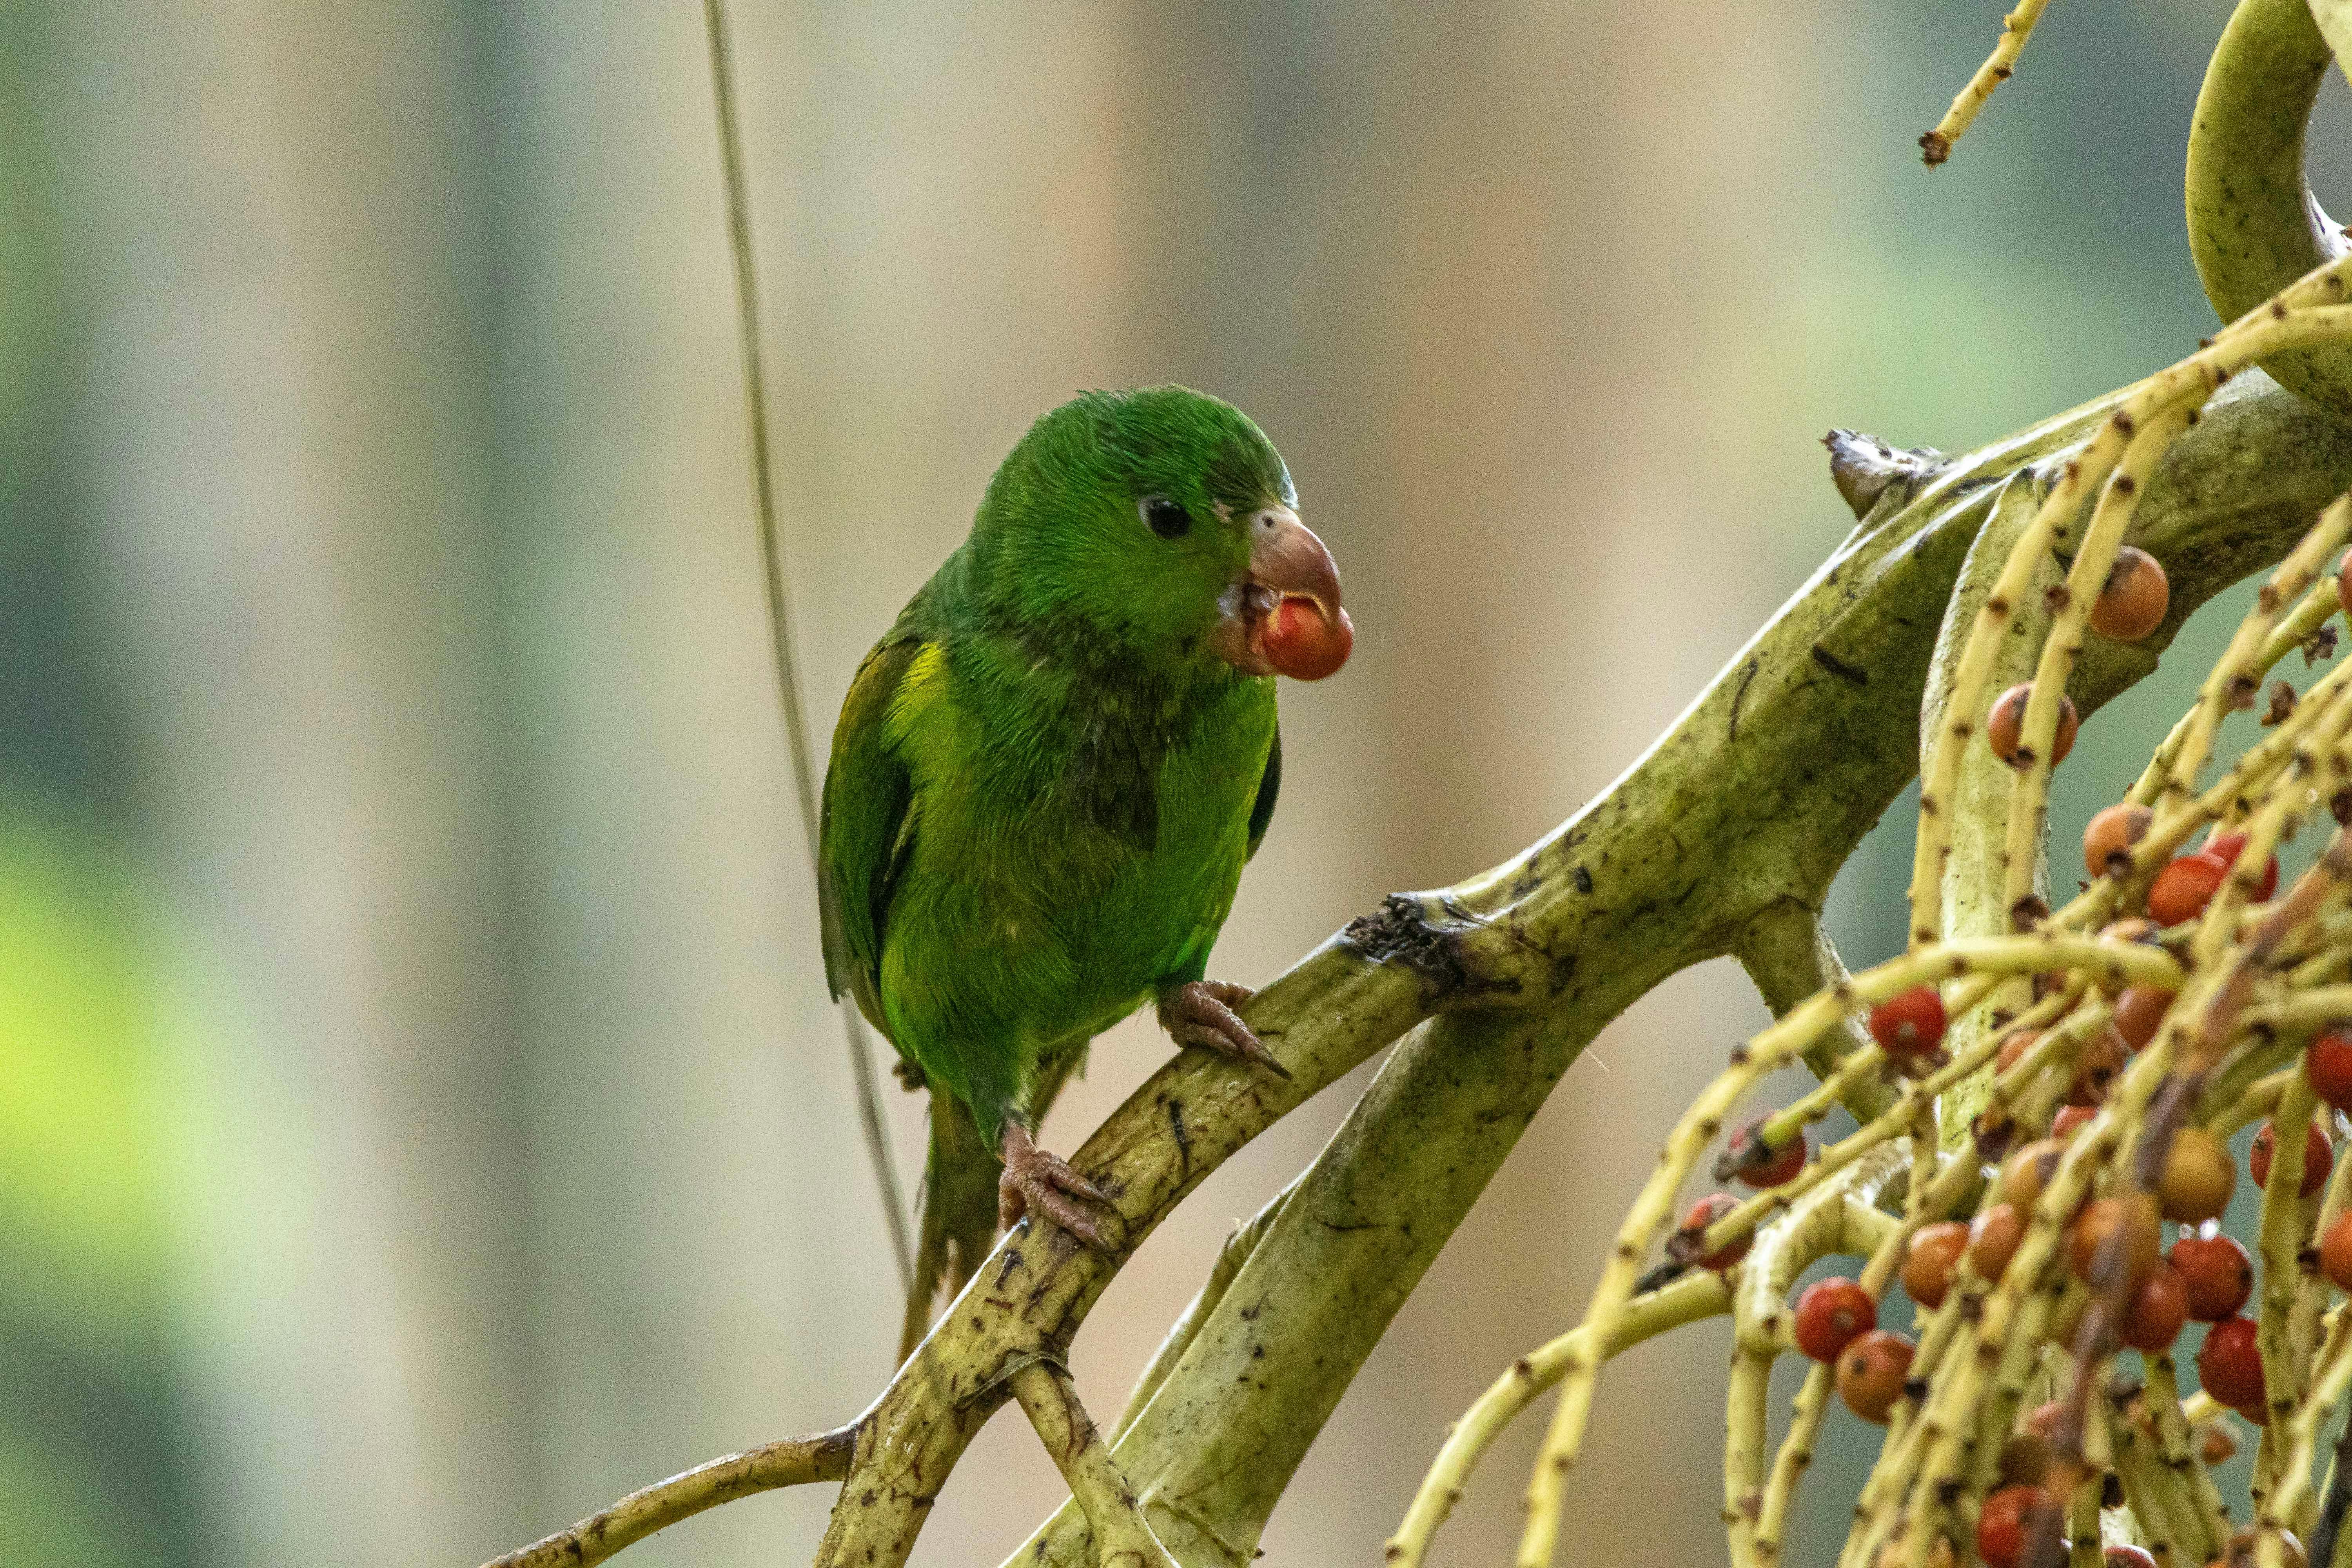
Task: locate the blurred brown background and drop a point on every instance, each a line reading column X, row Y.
column 421, row 1118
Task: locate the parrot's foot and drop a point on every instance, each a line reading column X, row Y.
column 1037, row 1183
column 1201, row 1012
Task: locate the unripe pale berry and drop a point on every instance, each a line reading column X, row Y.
column 2198, row 1178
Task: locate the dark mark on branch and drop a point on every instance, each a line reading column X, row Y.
column 1839, row 666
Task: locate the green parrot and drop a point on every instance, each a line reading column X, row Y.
column 1048, row 774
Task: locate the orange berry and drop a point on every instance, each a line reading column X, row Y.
column 2107, row 841
column 2336, row 1252
column 2139, row 1011
column 2005, row 727
column 1930, row 1260
column 2128, row 1222
column 2133, row 600
column 2070, row 1120
column 2027, row 1167
column 1993, row 1236
column 1871, row 1370
column 2183, row 889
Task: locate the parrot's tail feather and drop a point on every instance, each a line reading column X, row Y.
column 958, row 1224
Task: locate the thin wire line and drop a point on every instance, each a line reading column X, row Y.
column 779, row 618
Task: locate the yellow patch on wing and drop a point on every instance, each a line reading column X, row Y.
column 924, row 683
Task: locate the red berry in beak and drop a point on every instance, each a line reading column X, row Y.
column 1299, row 643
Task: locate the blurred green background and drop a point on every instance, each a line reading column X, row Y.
column 421, row 1118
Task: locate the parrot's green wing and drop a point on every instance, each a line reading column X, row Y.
column 863, row 843
column 1269, row 784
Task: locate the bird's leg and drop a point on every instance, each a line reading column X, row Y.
column 1036, row 1181
column 1201, row 1012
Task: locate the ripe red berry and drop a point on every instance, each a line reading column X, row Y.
column 2154, row 1316
column 1298, row 640
column 1870, row 1373
column 2128, row 1557
column 2217, row 1273
column 2183, row 889
column 2138, row 1012
column 1909, row 1023
column 1931, row 1258
column 1830, row 1314
column 2227, row 846
column 2318, row 1158
column 2132, row 602
column 2070, row 1120
column 2197, row 1177
column 2328, row 1065
column 2004, row 1522
column 1783, row 1164
column 2107, row 841
column 1704, row 1213
column 2005, row 727
column 2230, row 1367
column 2336, row 1252
column 1993, row 1236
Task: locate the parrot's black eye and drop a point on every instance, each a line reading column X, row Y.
column 1164, row 517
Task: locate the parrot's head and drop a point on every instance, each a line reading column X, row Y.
column 1162, row 523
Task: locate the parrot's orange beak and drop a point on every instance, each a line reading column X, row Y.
column 1283, row 616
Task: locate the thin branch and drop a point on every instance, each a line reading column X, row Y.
column 1122, row 1537
column 789, row 1463
column 780, row 613
column 1999, row 67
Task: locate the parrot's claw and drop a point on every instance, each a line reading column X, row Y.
column 1037, row 1183
column 1201, row 1012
